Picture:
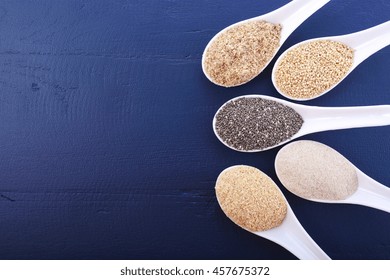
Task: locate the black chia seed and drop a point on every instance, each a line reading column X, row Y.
column 254, row 123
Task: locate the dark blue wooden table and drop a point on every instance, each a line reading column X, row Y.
column 106, row 145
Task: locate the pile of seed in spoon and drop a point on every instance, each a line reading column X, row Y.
column 312, row 68
column 250, row 198
column 241, row 52
column 254, row 123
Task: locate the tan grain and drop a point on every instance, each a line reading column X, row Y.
column 250, row 198
column 311, row 68
column 241, row 52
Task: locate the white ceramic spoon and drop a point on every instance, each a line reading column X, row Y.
column 365, row 43
column 368, row 193
column 318, row 119
column 290, row 16
column 290, row 234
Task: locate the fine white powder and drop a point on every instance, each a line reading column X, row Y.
column 313, row 170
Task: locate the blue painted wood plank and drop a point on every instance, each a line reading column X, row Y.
column 106, row 145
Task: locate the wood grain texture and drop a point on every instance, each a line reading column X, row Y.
column 106, row 145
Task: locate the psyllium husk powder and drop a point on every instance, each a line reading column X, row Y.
column 313, row 170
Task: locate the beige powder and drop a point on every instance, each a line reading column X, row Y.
column 311, row 68
column 250, row 198
column 241, row 52
column 313, row 170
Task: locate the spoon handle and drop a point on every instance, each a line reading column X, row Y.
column 368, row 41
column 371, row 193
column 323, row 119
column 292, row 236
column 293, row 14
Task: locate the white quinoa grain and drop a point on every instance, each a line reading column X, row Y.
column 241, row 52
column 311, row 68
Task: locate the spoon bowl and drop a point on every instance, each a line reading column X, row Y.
column 365, row 191
column 289, row 16
column 317, row 119
column 364, row 43
column 289, row 233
